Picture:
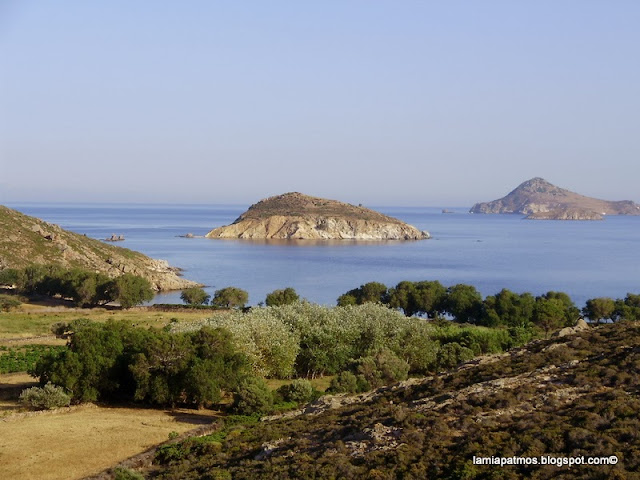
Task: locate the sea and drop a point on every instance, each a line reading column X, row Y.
column 585, row 259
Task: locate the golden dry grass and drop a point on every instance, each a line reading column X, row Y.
column 80, row 441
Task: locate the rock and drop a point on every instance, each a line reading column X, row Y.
column 565, row 214
column 301, row 217
column 578, row 327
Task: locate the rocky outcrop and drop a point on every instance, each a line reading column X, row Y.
column 26, row 240
column 301, row 217
column 542, row 200
column 565, row 214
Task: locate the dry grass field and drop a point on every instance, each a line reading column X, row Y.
column 71, row 443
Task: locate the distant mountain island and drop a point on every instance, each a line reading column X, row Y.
column 302, row 217
column 539, row 199
column 26, row 240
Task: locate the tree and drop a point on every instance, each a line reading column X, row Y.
column 195, row 296
column 372, row 292
column 601, row 308
column 403, row 296
column 463, row 302
column 282, row 297
column 132, row 290
column 86, row 288
column 509, row 309
column 571, row 313
column 428, row 297
column 627, row 309
column 230, row 297
column 549, row 314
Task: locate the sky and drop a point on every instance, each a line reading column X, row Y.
column 408, row 103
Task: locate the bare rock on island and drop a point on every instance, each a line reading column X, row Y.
column 539, row 199
column 302, row 217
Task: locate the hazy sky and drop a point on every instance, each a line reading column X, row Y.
column 379, row 102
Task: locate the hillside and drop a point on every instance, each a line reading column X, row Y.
column 26, row 240
column 572, row 396
column 541, row 200
column 298, row 216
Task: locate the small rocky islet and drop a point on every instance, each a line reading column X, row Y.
column 295, row 216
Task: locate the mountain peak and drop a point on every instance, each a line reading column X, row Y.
column 537, row 196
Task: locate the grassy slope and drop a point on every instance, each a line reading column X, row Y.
column 572, row 396
column 297, row 204
column 26, row 240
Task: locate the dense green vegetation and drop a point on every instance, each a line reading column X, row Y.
column 24, row 357
column 464, row 304
column 308, row 340
column 115, row 361
column 84, row 288
column 569, row 397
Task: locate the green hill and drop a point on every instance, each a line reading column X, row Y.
column 26, row 240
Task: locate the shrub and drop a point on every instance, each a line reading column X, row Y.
column 344, row 382
column 252, row 396
column 126, row 474
column 452, row 354
column 47, row 397
column 382, row 368
column 298, row 391
column 7, row 303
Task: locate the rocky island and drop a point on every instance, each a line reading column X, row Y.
column 541, row 200
column 302, row 217
column 26, row 240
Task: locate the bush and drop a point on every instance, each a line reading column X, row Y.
column 252, row 396
column 126, row 474
column 47, row 397
column 452, row 354
column 382, row 368
column 298, row 391
column 7, row 303
column 345, row 382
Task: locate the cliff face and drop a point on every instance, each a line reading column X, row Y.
column 26, row 240
column 298, row 216
column 541, row 199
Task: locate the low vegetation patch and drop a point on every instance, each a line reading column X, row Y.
column 24, row 357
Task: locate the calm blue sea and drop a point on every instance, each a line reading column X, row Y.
column 584, row 259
